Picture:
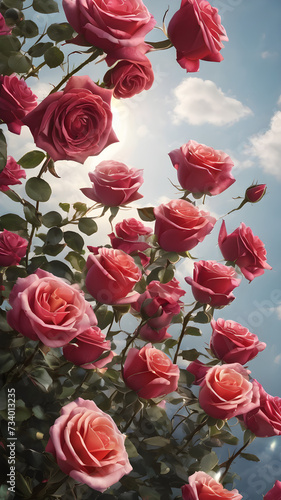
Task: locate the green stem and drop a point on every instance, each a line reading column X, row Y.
column 185, row 322
column 228, row 462
column 190, row 437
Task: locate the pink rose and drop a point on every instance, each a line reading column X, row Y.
column 199, row 370
column 131, row 236
column 180, row 225
column 87, row 348
column 16, row 101
column 88, row 446
column 111, row 276
column 274, row 493
column 226, row 391
column 255, row 193
column 202, row 169
column 11, row 174
column 4, row 29
column 74, row 123
column 150, row 372
column 196, row 32
column 12, row 248
column 265, row 420
column 114, row 184
column 203, row 487
column 110, row 26
column 233, row 343
column 160, row 303
column 245, row 249
column 46, row 308
column 213, row 283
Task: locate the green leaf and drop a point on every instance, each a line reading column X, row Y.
column 27, row 29
column 209, row 461
column 53, row 250
column 60, row 32
column 104, row 317
column 166, row 274
column 202, row 317
column 9, row 43
column 14, row 4
column 13, row 195
column 54, row 236
column 131, row 449
column 190, row 355
column 191, row 330
column 7, row 361
column 19, row 63
column 65, row 206
column 12, row 222
column 74, row 241
column 53, row 57
column 250, row 456
column 45, row 6
column 158, row 441
column 32, row 215
column 87, row 226
column 76, row 260
column 59, row 269
column 146, row 214
column 39, row 49
column 41, row 377
column 51, row 219
column 37, row 189
column 3, row 149
column 164, row 44
column 32, row 159
column 149, row 493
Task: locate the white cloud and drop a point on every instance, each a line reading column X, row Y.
column 201, row 101
column 278, row 311
column 266, row 54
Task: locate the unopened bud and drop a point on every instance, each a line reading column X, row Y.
column 255, row 193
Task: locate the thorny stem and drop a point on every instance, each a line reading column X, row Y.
column 185, row 322
column 228, row 462
column 190, row 437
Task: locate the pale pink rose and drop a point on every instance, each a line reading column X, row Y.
column 203, row 487
column 150, row 372
column 255, row 193
column 245, row 249
column 47, row 308
column 233, row 343
column 87, row 347
column 88, row 446
column 265, row 420
column 16, row 101
column 226, row 391
column 110, row 26
column 74, row 123
column 180, row 226
column 111, row 276
column 274, row 493
column 130, row 236
column 197, row 33
column 12, row 248
column 213, row 283
column 114, row 184
column 11, row 174
column 202, row 169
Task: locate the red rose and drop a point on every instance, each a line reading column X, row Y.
column 11, row 174
column 255, row 193
column 114, row 184
column 274, row 493
column 111, row 276
column 74, row 123
column 88, row 446
column 131, row 236
column 87, row 347
column 16, row 101
column 245, row 249
column 202, row 169
column 226, row 392
column 203, row 487
column 265, row 420
column 150, row 372
column 180, row 225
column 196, row 32
column 46, row 308
column 233, row 343
column 213, row 283
column 12, row 248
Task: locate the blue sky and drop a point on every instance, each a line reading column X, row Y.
column 234, row 106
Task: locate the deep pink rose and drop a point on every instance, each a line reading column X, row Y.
column 130, row 236
column 4, row 29
column 203, row 487
column 245, row 249
column 150, row 372
column 226, row 391
column 114, row 184
column 160, row 303
column 274, row 493
column 180, row 225
column 130, row 77
column 46, row 308
column 87, row 347
column 74, row 123
column 197, row 33
column 11, row 174
column 12, row 248
column 111, row 276
column 233, row 343
column 88, row 446
column 213, row 283
column 202, row 169
column 16, row 101
column 265, row 420
column 255, row 193
column 109, row 26
column 199, row 370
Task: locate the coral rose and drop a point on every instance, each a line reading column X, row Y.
column 12, row 248
column 16, row 101
column 131, row 236
column 11, row 174
column 87, row 347
column 274, row 493
column 88, row 446
column 203, row 487
column 265, row 420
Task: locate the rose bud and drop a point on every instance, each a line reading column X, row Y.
column 255, row 193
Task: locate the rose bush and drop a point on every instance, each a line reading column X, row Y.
column 150, row 372
column 46, row 308
column 203, row 487
column 265, row 420
column 74, row 123
column 114, row 184
column 213, row 283
column 274, row 493
column 180, row 225
column 16, row 101
column 12, row 248
column 202, row 169
column 87, row 347
column 197, row 33
column 88, row 446
column 11, row 174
